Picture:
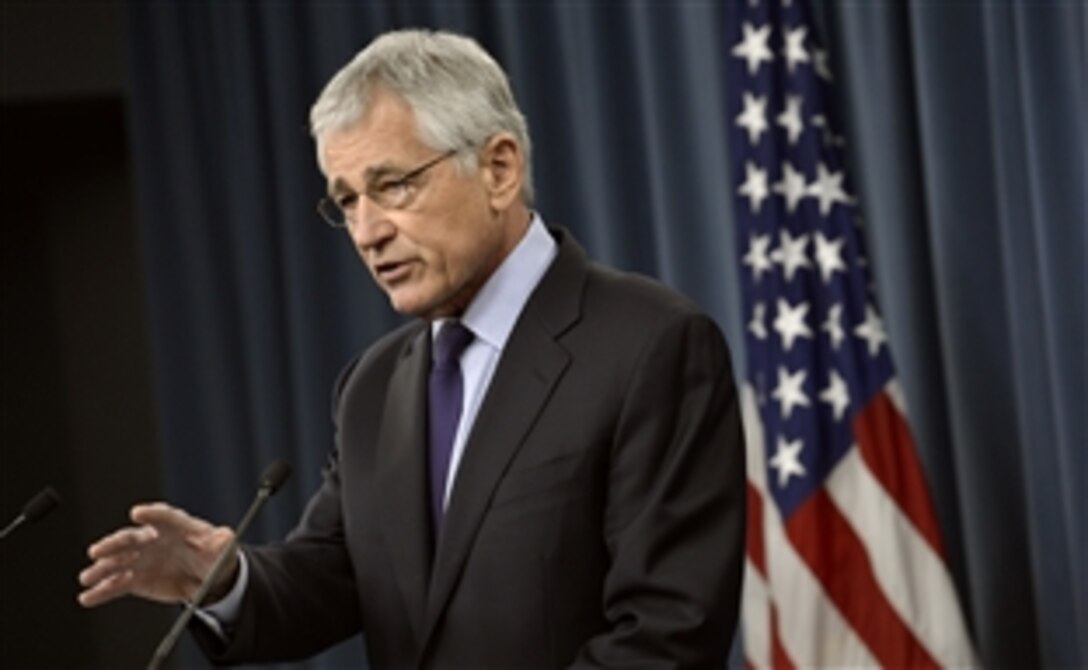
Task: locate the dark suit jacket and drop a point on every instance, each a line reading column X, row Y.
column 596, row 519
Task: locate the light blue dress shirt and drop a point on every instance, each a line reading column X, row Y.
column 491, row 317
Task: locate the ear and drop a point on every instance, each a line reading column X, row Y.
column 502, row 165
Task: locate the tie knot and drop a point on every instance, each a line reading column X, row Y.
column 450, row 343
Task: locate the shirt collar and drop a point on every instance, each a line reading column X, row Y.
column 493, row 312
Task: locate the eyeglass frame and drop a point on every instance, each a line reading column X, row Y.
column 335, row 215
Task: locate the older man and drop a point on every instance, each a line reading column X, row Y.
column 545, row 469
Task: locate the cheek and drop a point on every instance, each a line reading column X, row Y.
column 458, row 246
column 451, row 265
column 455, row 254
column 471, row 255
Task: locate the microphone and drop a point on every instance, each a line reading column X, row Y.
column 36, row 509
column 271, row 481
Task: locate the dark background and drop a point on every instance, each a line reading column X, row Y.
column 76, row 409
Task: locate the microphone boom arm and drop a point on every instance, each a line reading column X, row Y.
column 273, row 477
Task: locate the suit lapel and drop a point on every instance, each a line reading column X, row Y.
column 531, row 365
column 402, row 475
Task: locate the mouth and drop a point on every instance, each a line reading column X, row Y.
column 392, row 272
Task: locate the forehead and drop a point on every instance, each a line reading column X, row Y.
column 385, row 137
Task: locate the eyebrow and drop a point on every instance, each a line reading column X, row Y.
column 370, row 175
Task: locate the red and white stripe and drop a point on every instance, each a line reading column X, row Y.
column 856, row 577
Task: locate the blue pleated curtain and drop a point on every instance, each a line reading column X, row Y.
column 967, row 141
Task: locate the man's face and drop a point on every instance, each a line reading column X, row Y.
column 434, row 255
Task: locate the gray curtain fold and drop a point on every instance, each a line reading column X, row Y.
column 966, row 137
column 969, row 138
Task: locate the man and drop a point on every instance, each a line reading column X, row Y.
column 563, row 485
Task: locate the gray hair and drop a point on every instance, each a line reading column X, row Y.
column 459, row 94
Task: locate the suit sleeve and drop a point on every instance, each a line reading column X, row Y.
column 301, row 596
column 674, row 519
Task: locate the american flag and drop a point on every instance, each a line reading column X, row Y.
column 845, row 562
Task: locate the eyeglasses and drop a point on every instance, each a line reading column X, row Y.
column 388, row 192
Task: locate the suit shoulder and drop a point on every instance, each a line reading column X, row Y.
column 635, row 314
column 381, row 355
column 625, row 293
column 392, row 343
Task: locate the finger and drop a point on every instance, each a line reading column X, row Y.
column 104, row 568
column 111, row 588
column 122, row 541
column 167, row 516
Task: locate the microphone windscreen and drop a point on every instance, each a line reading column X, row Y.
column 274, row 476
column 45, row 502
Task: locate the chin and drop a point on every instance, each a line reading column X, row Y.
column 408, row 309
column 411, row 305
column 434, row 304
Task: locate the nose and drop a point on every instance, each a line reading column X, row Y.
column 371, row 226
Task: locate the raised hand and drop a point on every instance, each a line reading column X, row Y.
column 164, row 558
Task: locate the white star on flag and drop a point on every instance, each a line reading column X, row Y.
column 828, row 189
column 791, row 253
column 791, row 186
column 788, row 392
column 754, row 117
column 753, row 48
column 754, row 186
column 787, row 460
column 833, row 326
column 790, row 323
column 757, row 257
column 872, row 330
column 829, row 256
column 790, row 118
column 795, row 47
column 755, row 326
column 836, row 394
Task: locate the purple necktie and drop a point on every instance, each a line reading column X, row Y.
column 445, row 394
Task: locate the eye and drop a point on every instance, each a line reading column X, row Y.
column 346, row 201
column 391, row 187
